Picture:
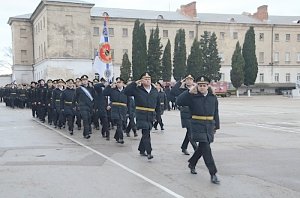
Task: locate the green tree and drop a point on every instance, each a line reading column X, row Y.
column 237, row 64
column 214, row 59
column 154, row 55
column 139, row 50
column 194, row 60
column 251, row 65
column 210, row 66
column 179, row 61
column 204, row 44
column 125, row 68
column 167, row 63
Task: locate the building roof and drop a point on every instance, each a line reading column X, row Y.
column 69, row 1
column 176, row 16
column 140, row 14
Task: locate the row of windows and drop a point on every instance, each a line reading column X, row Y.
column 40, row 25
column 191, row 34
column 96, row 32
column 276, row 77
column 42, row 51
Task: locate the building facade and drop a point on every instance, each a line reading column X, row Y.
column 60, row 39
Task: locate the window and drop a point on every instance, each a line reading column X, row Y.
column 276, row 37
column 222, row 35
column 221, row 56
column 125, row 32
column 276, row 57
column 42, row 50
column 23, row 33
column 69, row 19
column 261, row 77
column 69, row 44
column 261, row 36
column 298, row 37
column 261, row 57
column 112, row 53
column 111, row 31
column 287, row 57
column 23, row 56
column 298, row 57
column 38, row 27
column 95, row 52
column 191, row 34
column 235, row 35
column 125, row 51
column 288, row 77
column 45, row 49
column 298, row 76
column 96, row 31
column 276, row 78
column 160, row 17
column 165, row 33
column 44, row 22
column 222, row 77
column 287, row 37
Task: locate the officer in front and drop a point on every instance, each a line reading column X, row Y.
column 205, row 121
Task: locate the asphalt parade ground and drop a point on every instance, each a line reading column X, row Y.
column 257, row 153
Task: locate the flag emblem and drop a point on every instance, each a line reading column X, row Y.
column 104, row 52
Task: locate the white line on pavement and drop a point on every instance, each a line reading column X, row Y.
column 285, row 129
column 116, row 163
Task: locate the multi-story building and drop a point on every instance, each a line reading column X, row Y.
column 60, row 38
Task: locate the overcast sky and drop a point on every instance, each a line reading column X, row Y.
column 10, row 8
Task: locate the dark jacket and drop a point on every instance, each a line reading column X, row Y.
column 83, row 101
column 185, row 113
column 163, row 101
column 118, row 103
column 66, row 101
column 201, row 106
column 56, row 98
column 100, row 102
column 147, row 104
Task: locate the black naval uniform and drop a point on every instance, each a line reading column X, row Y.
column 32, row 100
column 41, row 102
column 85, row 106
column 56, row 107
column 204, row 122
column 100, row 110
column 67, row 108
column 185, row 116
column 49, row 103
column 118, row 109
column 147, row 104
column 163, row 106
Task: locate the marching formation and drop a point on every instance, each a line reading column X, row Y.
column 128, row 107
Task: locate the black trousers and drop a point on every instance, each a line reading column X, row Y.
column 205, row 151
column 78, row 118
column 187, row 139
column 50, row 114
column 70, row 121
column 145, row 143
column 86, row 116
column 131, row 126
column 158, row 121
column 119, row 131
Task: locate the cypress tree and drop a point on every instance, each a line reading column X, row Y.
column 214, row 66
column 204, row 46
column 154, row 55
column 194, row 60
column 179, row 61
column 251, row 65
column 135, row 50
column 167, row 63
column 125, row 68
column 237, row 64
column 139, row 50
